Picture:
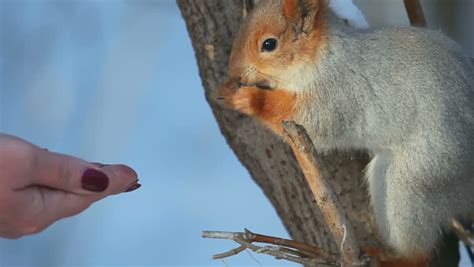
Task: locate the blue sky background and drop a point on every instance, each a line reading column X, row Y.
column 116, row 81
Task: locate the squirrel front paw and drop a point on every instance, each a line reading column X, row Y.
column 244, row 99
column 270, row 106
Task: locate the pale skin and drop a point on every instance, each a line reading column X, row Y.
column 38, row 187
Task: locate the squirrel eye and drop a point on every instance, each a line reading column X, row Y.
column 269, row 45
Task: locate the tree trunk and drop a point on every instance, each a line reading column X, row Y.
column 212, row 25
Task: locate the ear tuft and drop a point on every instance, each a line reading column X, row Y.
column 249, row 5
column 303, row 15
column 291, row 9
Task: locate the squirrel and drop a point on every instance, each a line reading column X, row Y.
column 404, row 94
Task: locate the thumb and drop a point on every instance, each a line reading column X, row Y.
column 70, row 174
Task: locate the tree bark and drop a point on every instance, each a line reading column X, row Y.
column 212, row 25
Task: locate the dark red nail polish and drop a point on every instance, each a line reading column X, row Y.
column 94, row 180
column 133, row 187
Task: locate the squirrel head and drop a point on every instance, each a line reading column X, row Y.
column 276, row 39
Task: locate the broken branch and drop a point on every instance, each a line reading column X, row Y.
column 415, row 13
column 327, row 200
column 289, row 250
column 462, row 233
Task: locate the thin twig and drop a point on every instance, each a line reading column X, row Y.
column 462, row 233
column 325, row 197
column 220, row 234
column 254, row 259
column 225, row 263
column 279, row 254
column 465, row 236
column 286, row 249
column 415, row 13
column 229, row 253
column 300, row 246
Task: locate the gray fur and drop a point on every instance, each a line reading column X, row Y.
column 407, row 96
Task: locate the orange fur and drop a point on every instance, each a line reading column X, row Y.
column 290, row 9
column 319, row 36
column 416, row 260
column 271, row 106
column 276, row 106
column 248, row 63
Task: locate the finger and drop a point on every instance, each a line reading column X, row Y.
column 74, row 175
column 98, row 164
column 122, row 178
column 43, row 206
column 60, row 204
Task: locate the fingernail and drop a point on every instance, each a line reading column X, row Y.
column 94, row 180
column 100, row 165
column 133, row 187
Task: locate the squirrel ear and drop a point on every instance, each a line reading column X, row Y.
column 249, row 5
column 291, row 9
column 302, row 14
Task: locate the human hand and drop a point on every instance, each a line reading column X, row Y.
column 38, row 187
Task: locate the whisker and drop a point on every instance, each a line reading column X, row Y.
column 271, row 76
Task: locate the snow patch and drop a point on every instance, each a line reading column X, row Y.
column 346, row 9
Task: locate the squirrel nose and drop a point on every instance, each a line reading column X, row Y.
column 239, row 81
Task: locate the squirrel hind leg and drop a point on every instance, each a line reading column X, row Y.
column 406, row 220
